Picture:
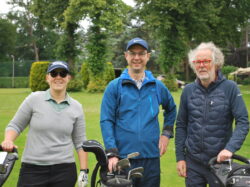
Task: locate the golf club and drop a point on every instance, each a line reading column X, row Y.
column 135, row 170
column 132, row 155
column 136, row 175
column 122, row 164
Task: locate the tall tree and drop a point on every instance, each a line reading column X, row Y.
column 7, row 46
column 7, row 39
column 51, row 15
column 107, row 18
column 25, row 18
column 180, row 24
column 34, row 41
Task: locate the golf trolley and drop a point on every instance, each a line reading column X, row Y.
column 116, row 179
column 231, row 173
column 7, row 161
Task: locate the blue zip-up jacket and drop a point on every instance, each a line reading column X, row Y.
column 205, row 120
column 129, row 116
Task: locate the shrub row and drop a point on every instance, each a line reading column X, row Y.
column 84, row 80
column 38, row 80
column 19, row 82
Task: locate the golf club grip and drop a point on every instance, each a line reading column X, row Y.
column 241, row 158
column 96, row 148
column 212, row 161
column 14, row 150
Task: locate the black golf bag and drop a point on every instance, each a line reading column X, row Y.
column 7, row 161
column 106, row 179
column 232, row 173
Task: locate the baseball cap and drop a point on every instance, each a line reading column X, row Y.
column 137, row 41
column 58, row 64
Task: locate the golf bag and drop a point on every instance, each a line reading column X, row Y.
column 7, row 161
column 108, row 179
column 231, row 173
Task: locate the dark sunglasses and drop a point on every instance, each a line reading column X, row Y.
column 62, row 74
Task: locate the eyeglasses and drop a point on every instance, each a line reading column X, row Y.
column 205, row 62
column 62, row 74
column 140, row 54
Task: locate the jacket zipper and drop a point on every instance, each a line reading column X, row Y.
column 204, row 121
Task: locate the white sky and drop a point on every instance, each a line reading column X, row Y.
column 4, row 7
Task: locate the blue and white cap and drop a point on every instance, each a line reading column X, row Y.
column 57, row 65
column 137, row 41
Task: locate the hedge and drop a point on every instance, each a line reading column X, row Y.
column 19, row 82
column 37, row 76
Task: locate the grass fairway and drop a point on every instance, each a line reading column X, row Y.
column 12, row 98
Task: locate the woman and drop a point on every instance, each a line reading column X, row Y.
column 56, row 124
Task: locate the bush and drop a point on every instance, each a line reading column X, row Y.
column 99, row 82
column 246, row 81
column 171, row 83
column 96, row 85
column 231, row 77
column 109, row 72
column 37, row 76
column 75, row 85
column 19, row 82
column 85, row 75
column 228, row 69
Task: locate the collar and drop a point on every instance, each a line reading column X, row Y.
column 48, row 97
column 148, row 76
column 140, row 80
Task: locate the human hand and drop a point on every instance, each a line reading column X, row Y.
column 163, row 143
column 224, row 155
column 182, row 168
column 112, row 164
column 8, row 145
column 82, row 179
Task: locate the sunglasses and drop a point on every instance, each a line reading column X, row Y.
column 62, row 74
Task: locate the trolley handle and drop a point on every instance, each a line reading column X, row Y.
column 236, row 157
column 14, row 150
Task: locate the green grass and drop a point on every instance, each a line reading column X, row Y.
column 12, row 98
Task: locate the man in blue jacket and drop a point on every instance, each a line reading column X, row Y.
column 129, row 115
column 204, row 123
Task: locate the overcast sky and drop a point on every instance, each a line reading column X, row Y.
column 4, row 7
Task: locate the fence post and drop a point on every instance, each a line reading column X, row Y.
column 13, row 71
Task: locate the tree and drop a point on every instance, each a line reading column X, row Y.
column 7, row 39
column 34, row 41
column 107, row 18
column 51, row 15
column 181, row 24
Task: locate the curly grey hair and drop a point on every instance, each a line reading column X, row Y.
column 217, row 55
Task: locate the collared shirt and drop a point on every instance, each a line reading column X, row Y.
column 57, row 106
column 139, row 82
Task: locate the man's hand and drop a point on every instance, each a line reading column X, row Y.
column 112, row 164
column 163, row 143
column 182, row 168
column 224, row 155
column 82, row 179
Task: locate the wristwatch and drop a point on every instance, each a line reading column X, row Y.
column 85, row 170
